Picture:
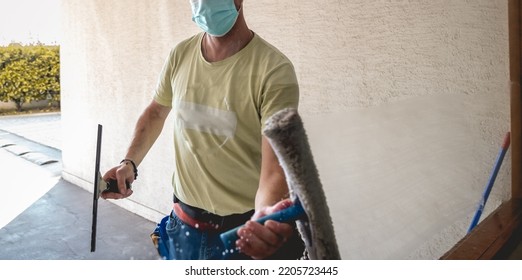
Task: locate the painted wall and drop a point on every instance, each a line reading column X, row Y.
column 405, row 104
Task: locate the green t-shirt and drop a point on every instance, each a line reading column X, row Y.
column 219, row 111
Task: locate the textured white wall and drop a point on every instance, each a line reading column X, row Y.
column 405, row 104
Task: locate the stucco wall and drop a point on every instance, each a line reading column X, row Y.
column 405, row 104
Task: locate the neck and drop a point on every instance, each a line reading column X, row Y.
column 219, row 48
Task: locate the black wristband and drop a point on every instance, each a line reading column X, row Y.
column 133, row 166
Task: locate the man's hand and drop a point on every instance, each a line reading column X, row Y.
column 261, row 241
column 121, row 173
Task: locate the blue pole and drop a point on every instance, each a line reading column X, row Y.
column 491, row 181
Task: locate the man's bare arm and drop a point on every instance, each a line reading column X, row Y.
column 148, row 128
column 272, row 182
column 260, row 241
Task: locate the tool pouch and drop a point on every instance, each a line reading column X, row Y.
column 160, row 239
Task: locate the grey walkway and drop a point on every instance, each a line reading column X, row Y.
column 43, row 217
column 44, row 129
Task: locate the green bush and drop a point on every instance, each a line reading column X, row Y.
column 29, row 73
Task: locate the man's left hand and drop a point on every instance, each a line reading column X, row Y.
column 261, row 241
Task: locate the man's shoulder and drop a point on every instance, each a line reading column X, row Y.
column 269, row 50
column 186, row 44
column 194, row 39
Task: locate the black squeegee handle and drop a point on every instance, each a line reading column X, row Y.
column 95, row 192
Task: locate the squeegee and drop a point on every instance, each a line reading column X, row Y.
column 287, row 136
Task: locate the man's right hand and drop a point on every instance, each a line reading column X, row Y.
column 121, row 173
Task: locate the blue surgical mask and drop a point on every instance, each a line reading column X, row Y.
column 216, row 17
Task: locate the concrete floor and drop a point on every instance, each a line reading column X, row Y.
column 46, row 218
column 58, row 227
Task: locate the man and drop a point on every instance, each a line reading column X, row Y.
column 222, row 85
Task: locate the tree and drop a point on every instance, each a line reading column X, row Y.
column 29, row 73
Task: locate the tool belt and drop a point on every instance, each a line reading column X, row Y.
column 206, row 221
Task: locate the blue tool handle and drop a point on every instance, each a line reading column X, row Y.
column 289, row 214
column 491, row 181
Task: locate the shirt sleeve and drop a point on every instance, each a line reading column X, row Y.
column 163, row 91
column 280, row 91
